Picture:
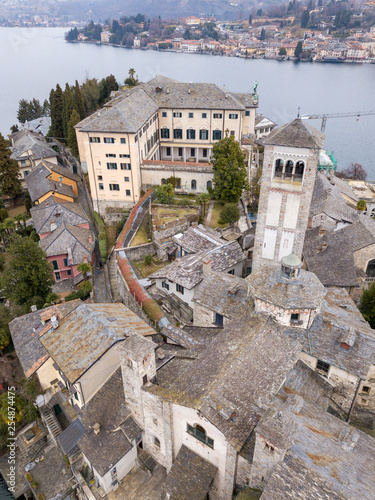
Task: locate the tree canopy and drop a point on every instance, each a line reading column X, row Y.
column 229, row 170
column 9, row 171
column 367, row 305
column 28, row 275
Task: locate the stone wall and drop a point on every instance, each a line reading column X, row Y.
column 363, row 256
column 206, row 317
column 139, row 252
column 244, row 471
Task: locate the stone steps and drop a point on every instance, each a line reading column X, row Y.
column 112, row 277
column 146, row 460
column 51, row 422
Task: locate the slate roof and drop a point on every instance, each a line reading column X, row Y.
column 327, row 458
column 71, row 240
column 334, row 264
column 125, row 114
column 33, row 145
column 71, row 435
column 190, row 477
column 305, row 292
column 327, row 199
column 87, row 333
column 38, row 184
column 188, row 270
column 233, row 380
column 29, row 349
column 108, row 409
column 190, row 337
column 46, row 212
column 297, row 134
column 199, row 239
column 223, row 293
column 59, row 169
column 338, row 318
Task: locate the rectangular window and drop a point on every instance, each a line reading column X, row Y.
column 177, row 115
column 204, row 153
column 125, row 166
column 232, row 133
column 192, row 151
column 100, row 177
column 135, row 138
column 179, row 151
column 168, row 153
column 204, row 115
column 366, row 389
column 164, row 133
column 191, row 115
column 69, row 272
column 112, row 166
column 55, row 264
column 123, row 140
column 219, row 319
column 101, row 186
column 114, row 187
column 65, row 262
column 294, row 318
column 231, row 272
column 247, row 113
column 190, row 134
column 126, row 179
column 128, row 192
column 109, row 140
column 164, row 114
column 94, row 139
column 57, row 276
column 178, row 183
column 218, row 115
column 165, row 285
column 203, row 135
column 124, row 156
column 216, row 135
column 156, row 442
column 322, row 366
column 26, row 172
column 180, row 289
column 148, row 145
column 177, row 133
column 110, row 155
column 233, row 116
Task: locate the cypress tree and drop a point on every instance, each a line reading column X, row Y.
column 56, row 102
column 78, row 101
column 72, row 138
column 68, row 106
column 9, row 171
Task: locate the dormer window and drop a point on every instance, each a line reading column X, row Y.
column 269, row 448
column 294, row 319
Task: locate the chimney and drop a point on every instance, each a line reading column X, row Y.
column 206, row 265
column 160, row 353
column 167, row 90
column 324, row 246
column 188, row 91
column 54, row 322
column 96, row 428
column 90, row 239
column 34, row 309
column 322, row 231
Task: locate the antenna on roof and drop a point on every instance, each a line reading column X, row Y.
column 298, row 112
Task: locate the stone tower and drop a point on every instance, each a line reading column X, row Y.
column 291, row 156
column 138, row 368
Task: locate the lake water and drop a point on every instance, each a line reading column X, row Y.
column 34, row 60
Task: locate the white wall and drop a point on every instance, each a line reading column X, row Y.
column 186, row 297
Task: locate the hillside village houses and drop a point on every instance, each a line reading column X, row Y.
column 256, row 391
column 157, row 130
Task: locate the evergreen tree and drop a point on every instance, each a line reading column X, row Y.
column 68, row 106
column 28, row 275
column 78, row 101
column 305, row 18
column 71, row 135
column 298, row 51
column 46, row 108
column 9, row 171
column 263, row 34
column 367, row 305
column 56, row 103
column 250, row 19
column 90, row 95
column 229, row 170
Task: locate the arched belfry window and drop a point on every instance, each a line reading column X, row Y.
column 298, row 171
column 288, row 169
column 279, row 166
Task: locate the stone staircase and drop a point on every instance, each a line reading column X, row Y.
column 145, row 460
column 111, row 268
column 51, row 421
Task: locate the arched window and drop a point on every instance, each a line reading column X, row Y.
column 279, row 166
column 199, row 433
column 163, row 181
column 209, row 185
column 370, row 271
column 298, row 172
column 193, row 184
column 288, row 169
column 373, row 213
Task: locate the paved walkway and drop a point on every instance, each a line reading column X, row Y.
column 100, row 290
column 209, row 213
column 139, row 485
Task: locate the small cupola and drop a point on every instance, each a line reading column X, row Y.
column 290, row 267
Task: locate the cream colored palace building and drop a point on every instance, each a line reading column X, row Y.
column 157, row 130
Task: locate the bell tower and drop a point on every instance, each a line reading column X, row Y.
column 291, row 157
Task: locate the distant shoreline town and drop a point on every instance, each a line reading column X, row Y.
column 313, row 36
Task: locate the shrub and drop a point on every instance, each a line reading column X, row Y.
column 34, row 484
column 361, row 205
column 3, row 214
column 148, row 260
column 121, row 223
column 84, row 290
column 102, row 237
column 72, row 296
column 29, row 477
column 229, row 214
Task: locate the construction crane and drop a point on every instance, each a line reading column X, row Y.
column 335, row 115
